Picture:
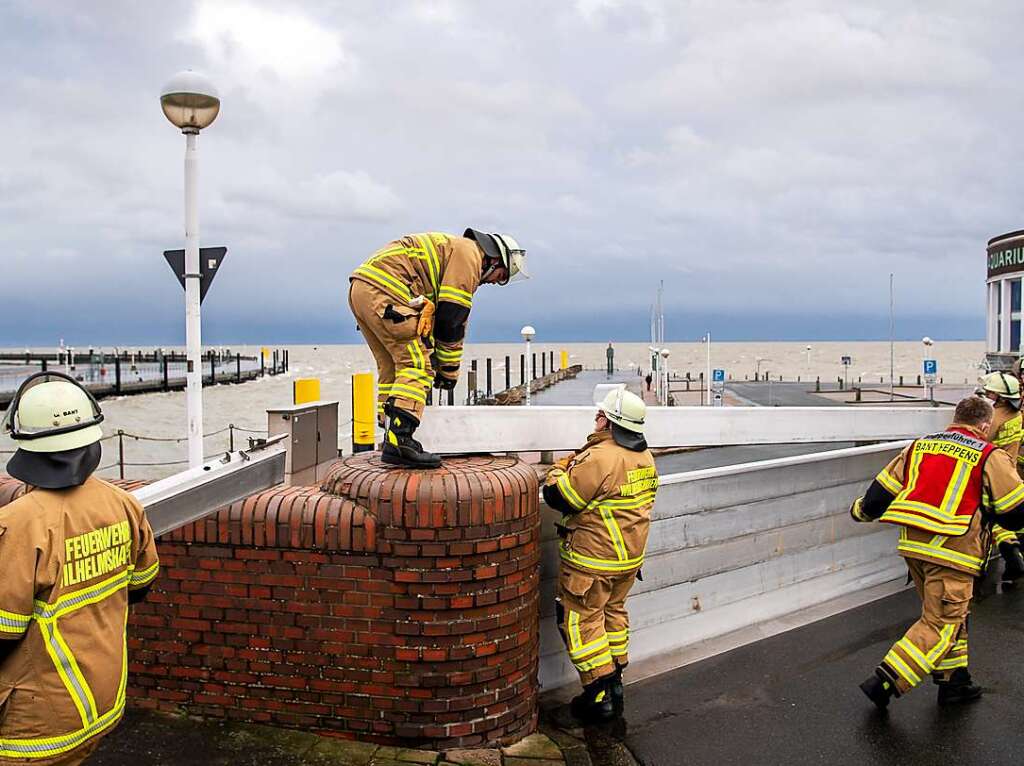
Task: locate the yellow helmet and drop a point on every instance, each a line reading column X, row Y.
column 1004, row 384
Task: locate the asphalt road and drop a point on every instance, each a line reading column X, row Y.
column 794, row 699
column 781, row 394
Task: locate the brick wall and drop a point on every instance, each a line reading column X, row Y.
column 396, row 606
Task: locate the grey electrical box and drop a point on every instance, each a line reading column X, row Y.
column 312, row 442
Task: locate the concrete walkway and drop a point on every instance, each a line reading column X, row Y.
column 793, row 699
column 580, row 390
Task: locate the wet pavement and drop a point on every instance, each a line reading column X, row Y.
column 580, row 390
column 793, row 699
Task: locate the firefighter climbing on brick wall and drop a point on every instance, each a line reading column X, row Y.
column 74, row 552
column 943, row 492
column 411, row 300
column 1003, row 390
column 605, row 492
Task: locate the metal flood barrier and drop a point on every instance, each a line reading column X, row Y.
column 733, row 547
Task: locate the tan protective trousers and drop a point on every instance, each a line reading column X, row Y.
column 937, row 643
column 403, row 362
column 591, row 613
column 75, row 757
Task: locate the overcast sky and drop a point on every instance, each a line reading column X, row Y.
column 771, row 161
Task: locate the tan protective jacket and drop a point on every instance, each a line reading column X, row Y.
column 67, row 561
column 612, row 491
column 441, row 267
column 1002, row 493
column 1006, row 429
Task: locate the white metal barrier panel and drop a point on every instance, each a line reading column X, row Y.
column 454, row 430
column 736, row 546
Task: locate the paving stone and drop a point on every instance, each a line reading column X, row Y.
column 389, row 752
column 388, row 762
column 534, row 746
column 474, row 757
column 342, row 752
column 419, row 756
column 534, row 761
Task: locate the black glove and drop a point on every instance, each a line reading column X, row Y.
column 443, row 383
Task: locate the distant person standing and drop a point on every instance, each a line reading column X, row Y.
column 648, row 380
column 75, row 551
column 610, row 354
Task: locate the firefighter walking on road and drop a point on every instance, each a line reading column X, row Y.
column 74, row 552
column 411, row 300
column 942, row 492
column 1003, row 390
column 605, row 492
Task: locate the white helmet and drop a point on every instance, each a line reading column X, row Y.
column 1004, row 384
column 503, row 248
column 625, row 409
column 53, row 413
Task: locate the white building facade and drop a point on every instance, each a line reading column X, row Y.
column 1005, row 272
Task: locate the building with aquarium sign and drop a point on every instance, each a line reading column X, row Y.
column 1005, row 271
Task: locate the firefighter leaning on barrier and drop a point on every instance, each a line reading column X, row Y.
column 943, row 492
column 605, row 492
column 74, row 552
column 411, row 300
column 1003, row 390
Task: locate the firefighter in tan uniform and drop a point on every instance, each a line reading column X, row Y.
column 1018, row 373
column 74, row 552
column 605, row 492
column 411, row 300
column 1003, row 390
column 942, row 492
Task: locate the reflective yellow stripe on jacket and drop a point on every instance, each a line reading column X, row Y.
column 935, row 549
column 48, row 617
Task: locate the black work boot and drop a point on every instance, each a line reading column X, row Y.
column 399, row 446
column 595, row 704
column 879, row 689
column 616, row 690
column 1013, row 562
column 959, row 688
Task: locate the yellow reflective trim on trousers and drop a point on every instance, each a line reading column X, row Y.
column 12, row 622
column 50, row 747
column 573, row 624
column 888, row 481
column 910, row 648
column 896, row 662
column 620, row 635
column 408, row 392
column 600, row 565
column 597, row 662
column 144, row 577
column 386, row 281
column 614, row 533
column 445, row 355
column 909, row 546
column 1001, row 535
column 598, row 645
column 570, row 494
column 953, row 663
column 415, row 374
column 416, row 354
column 945, row 640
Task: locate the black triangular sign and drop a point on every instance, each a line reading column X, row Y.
column 210, row 259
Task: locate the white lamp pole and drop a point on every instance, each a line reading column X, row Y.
column 664, row 388
column 191, row 103
column 528, row 332
column 927, row 342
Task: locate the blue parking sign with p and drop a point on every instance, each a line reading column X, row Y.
column 718, row 376
column 931, row 367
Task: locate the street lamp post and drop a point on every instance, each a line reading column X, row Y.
column 528, row 332
column 664, row 357
column 192, row 103
column 808, row 350
column 929, row 387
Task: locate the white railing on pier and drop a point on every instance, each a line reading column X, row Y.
column 453, row 430
column 736, row 552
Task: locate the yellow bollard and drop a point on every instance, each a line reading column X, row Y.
column 266, row 353
column 364, row 412
column 306, row 390
column 565, row 359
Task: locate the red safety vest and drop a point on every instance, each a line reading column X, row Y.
column 942, row 483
